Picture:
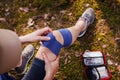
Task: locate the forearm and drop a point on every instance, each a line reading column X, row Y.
column 27, row 39
column 23, row 39
column 38, row 35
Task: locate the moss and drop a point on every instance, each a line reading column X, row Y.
column 102, row 32
column 71, row 70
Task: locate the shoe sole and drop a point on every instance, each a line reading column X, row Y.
column 26, row 65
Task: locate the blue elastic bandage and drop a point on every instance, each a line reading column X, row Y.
column 54, row 45
column 67, row 37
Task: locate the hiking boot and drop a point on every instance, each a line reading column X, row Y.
column 27, row 54
column 89, row 17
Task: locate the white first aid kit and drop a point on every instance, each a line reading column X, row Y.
column 95, row 67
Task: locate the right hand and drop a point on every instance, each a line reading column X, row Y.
column 39, row 35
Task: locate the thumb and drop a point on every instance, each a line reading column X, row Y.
column 45, row 58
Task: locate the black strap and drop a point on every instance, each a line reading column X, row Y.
column 97, row 72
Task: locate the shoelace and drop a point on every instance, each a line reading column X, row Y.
column 87, row 17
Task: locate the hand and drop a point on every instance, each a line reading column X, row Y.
column 39, row 35
column 51, row 67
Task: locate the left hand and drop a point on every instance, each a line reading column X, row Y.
column 39, row 35
column 51, row 67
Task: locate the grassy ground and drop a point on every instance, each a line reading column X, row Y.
column 103, row 35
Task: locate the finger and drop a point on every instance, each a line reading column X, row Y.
column 50, row 30
column 44, row 38
column 41, row 38
column 47, row 29
column 45, row 58
column 57, row 59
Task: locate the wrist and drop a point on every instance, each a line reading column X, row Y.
column 48, row 77
column 23, row 39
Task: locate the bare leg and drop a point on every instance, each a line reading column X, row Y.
column 75, row 30
column 81, row 25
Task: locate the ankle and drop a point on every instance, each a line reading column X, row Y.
column 80, row 24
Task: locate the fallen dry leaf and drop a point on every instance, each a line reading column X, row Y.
column 69, row 14
column 104, row 46
column 47, row 16
column 24, row 9
column 3, row 19
column 30, row 22
column 63, row 11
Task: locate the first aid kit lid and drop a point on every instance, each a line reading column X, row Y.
column 92, row 54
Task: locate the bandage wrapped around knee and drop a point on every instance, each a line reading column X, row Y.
column 55, row 45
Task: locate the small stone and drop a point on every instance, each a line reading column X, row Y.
column 86, row 5
column 110, row 62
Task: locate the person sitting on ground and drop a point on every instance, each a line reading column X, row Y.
column 10, row 53
column 61, row 38
column 58, row 39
